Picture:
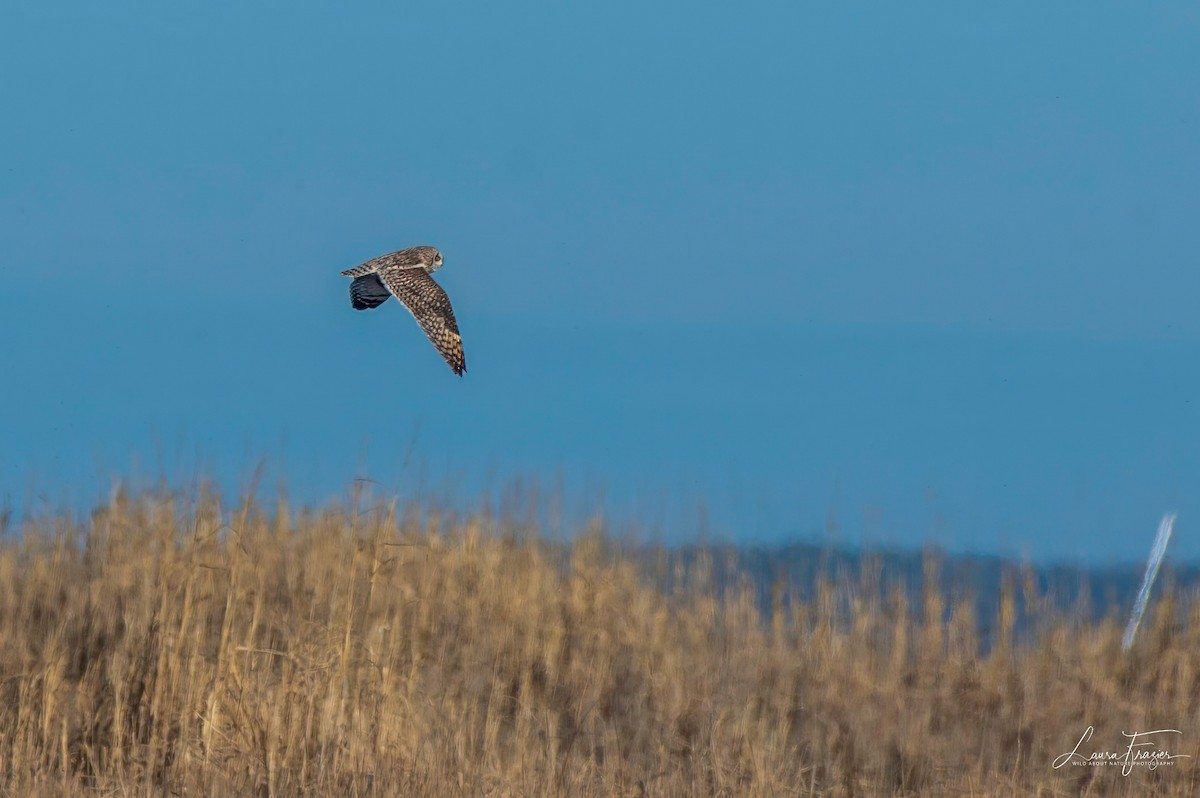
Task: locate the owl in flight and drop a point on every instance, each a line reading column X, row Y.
column 405, row 275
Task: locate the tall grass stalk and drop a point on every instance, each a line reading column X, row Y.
column 174, row 646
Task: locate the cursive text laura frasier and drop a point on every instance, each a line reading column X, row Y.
column 1143, row 750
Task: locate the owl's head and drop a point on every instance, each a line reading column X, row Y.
column 430, row 258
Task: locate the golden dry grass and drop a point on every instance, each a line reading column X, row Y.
column 154, row 649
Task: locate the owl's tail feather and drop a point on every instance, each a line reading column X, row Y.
column 361, row 269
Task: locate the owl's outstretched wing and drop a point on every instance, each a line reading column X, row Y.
column 368, row 292
column 430, row 306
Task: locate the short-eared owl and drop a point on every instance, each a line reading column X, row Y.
column 405, row 275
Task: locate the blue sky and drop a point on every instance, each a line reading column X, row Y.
column 876, row 272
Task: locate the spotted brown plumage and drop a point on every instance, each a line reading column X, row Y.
column 405, row 275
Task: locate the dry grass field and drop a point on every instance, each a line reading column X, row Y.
column 172, row 647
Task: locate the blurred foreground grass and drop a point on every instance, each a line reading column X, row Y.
column 174, row 647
